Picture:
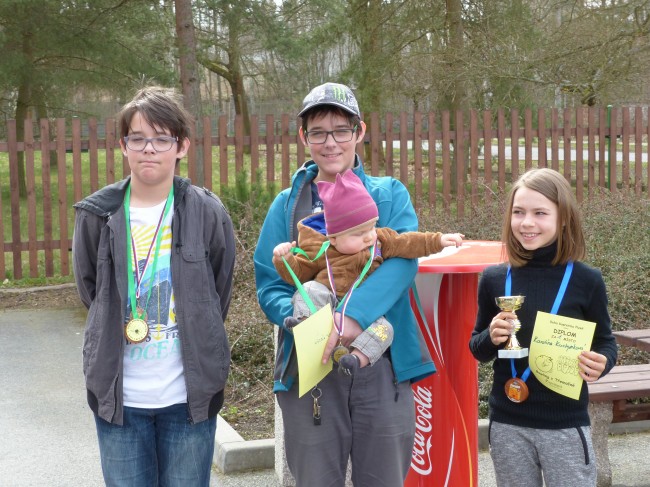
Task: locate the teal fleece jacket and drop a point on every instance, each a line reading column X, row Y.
column 384, row 293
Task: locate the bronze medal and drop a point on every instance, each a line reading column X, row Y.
column 136, row 330
column 141, row 313
column 516, row 390
column 338, row 352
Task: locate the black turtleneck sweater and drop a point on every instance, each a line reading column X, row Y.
column 539, row 282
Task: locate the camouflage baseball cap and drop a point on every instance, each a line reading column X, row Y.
column 331, row 94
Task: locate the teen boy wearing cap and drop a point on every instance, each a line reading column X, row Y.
column 348, row 224
column 369, row 417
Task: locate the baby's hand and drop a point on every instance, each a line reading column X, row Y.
column 283, row 249
column 449, row 239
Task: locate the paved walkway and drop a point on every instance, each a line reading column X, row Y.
column 47, row 434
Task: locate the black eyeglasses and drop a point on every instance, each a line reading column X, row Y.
column 339, row 135
column 161, row 143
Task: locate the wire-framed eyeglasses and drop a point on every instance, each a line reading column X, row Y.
column 162, row 143
column 339, row 135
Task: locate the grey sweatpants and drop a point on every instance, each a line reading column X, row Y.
column 531, row 457
column 367, row 418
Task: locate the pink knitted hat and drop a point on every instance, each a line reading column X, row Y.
column 347, row 204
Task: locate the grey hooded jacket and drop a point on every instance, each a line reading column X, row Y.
column 202, row 262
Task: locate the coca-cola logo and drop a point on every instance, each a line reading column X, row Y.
column 421, row 460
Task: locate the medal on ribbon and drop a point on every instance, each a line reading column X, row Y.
column 340, row 350
column 515, row 388
column 137, row 329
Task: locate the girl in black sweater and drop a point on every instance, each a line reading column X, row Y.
column 546, row 436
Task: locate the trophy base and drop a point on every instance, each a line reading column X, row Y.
column 521, row 353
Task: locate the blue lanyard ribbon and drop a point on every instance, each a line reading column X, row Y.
column 554, row 309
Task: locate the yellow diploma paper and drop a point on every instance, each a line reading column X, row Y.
column 311, row 337
column 554, row 349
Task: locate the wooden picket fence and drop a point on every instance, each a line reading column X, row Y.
column 455, row 176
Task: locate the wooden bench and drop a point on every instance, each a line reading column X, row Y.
column 608, row 399
column 634, row 338
column 622, row 383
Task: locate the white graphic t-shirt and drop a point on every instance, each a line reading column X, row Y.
column 153, row 369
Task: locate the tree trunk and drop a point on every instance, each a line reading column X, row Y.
column 369, row 19
column 41, row 113
column 236, row 77
column 190, row 82
column 458, row 94
column 241, row 102
column 22, row 105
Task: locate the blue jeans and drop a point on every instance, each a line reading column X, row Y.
column 156, row 447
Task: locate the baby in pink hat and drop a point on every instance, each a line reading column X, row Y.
column 350, row 215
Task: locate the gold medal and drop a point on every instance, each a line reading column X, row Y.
column 516, row 390
column 136, row 330
column 338, row 352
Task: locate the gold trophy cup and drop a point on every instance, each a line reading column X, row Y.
column 512, row 348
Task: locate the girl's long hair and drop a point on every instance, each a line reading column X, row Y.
column 570, row 238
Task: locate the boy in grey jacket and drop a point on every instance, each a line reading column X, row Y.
column 153, row 260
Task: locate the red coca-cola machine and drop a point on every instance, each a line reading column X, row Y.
column 445, row 452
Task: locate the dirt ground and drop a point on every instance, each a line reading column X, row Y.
column 63, row 296
column 249, row 406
